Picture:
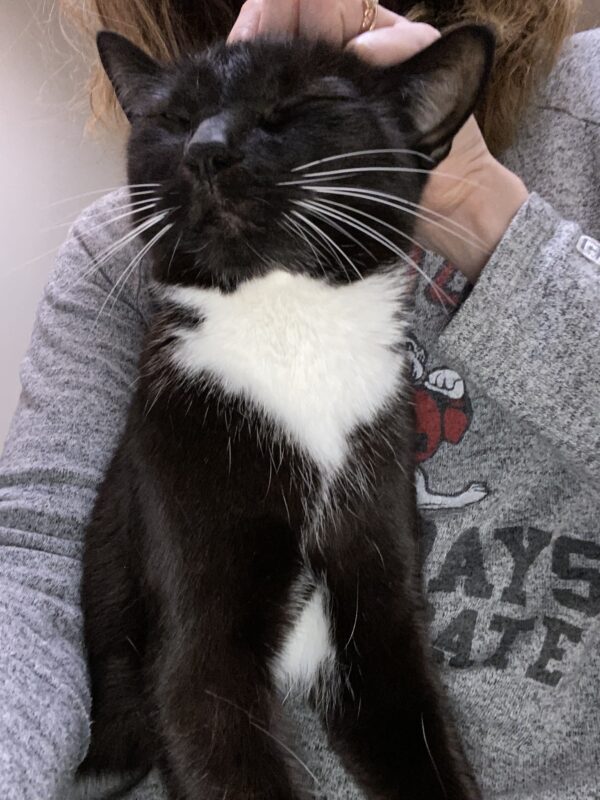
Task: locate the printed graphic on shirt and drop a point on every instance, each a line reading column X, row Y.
column 500, row 619
column 571, row 603
column 445, row 289
column 443, row 415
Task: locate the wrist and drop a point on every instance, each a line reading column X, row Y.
column 486, row 214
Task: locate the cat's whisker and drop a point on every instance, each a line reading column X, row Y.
column 286, row 226
column 31, row 261
column 355, row 153
column 137, row 261
column 35, row 259
column 355, row 615
column 144, row 225
column 348, row 235
column 195, row 251
column 128, row 271
column 329, row 240
column 297, row 229
column 332, row 206
column 315, row 177
column 401, row 204
column 320, row 235
column 405, row 205
column 315, row 243
column 268, row 733
column 260, row 257
column 133, row 208
column 372, row 233
column 114, row 248
column 322, row 209
column 315, row 236
column 103, row 191
column 322, row 255
column 177, row 243
column 431, row 758
column 98, row 211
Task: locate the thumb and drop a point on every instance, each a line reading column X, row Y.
column 390, row 45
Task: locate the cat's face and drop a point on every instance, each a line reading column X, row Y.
column 265, row 154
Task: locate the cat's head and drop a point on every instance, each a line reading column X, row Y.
column 287, row 154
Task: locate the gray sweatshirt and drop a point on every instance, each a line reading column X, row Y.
column 508, row 415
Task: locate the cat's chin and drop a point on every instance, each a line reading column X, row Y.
column 217, row 216
column 220, row 223
column 223, row 261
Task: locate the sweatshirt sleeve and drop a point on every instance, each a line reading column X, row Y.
column 528, row 335
column 76, row 383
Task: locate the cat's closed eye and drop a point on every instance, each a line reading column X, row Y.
column 174, row 120
column 284, row 113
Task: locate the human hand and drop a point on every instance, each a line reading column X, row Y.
column 474, row 198
column 393, row 39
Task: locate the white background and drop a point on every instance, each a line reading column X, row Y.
column 44, row 158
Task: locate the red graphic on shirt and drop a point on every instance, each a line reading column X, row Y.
column 440, row 291
column 443, row 413
column 439, row 418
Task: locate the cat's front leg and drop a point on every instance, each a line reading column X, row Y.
column 215, row 709
column 390, row 724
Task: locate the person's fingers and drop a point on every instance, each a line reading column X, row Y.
column 385, row 18
column 279, row 17
column 391, row 44
column 246, row 25
column 337, row 21
column 326, row 20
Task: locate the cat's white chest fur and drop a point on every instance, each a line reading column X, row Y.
column 317, row 360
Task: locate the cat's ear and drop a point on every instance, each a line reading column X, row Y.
column 134, row 75
column 440, row 87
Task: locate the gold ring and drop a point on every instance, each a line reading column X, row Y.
column 370, row 8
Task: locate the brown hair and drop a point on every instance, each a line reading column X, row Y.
column 164, row 28
column 530, row 35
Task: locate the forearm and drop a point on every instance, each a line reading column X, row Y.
column 527, row 334
column 468, row 203
column 483, row 219
column 77, row 380
column 43, row 686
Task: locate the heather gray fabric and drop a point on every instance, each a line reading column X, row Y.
column 508, row 409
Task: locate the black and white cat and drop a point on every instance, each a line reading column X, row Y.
column 256, row 532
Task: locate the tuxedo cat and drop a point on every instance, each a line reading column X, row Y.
column 256, row 532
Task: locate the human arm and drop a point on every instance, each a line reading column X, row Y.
column 77, row 379
column 470, row 201
column 527, row 334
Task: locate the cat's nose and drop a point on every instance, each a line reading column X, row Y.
column 210, row 149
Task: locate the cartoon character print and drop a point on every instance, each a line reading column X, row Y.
column 443, row 414
column 447, row 288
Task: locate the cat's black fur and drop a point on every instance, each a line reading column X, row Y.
column 199, row 533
